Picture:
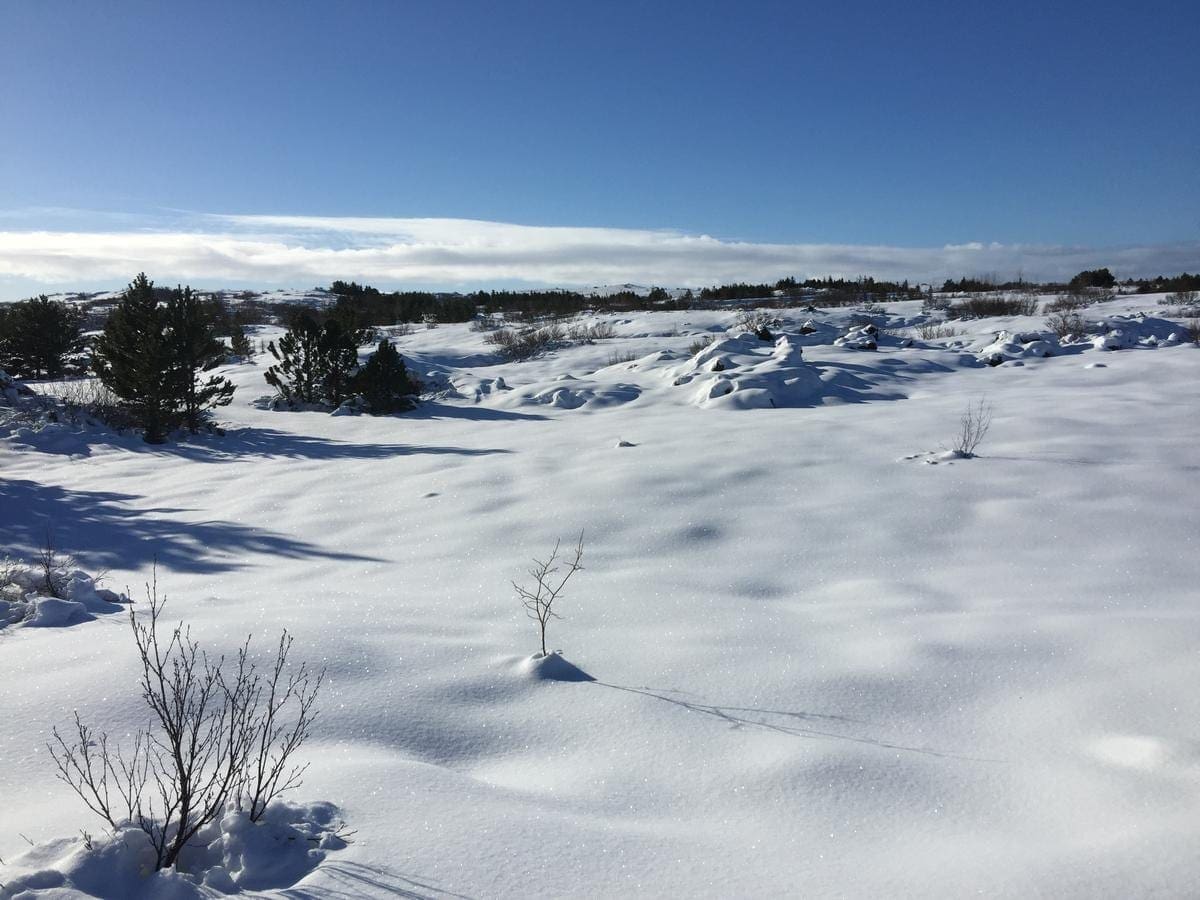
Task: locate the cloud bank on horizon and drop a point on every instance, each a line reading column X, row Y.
column 266, row 250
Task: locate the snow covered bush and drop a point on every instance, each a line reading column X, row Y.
column 222, row 737
column 860, row 337
column 757, row 321
column 228, row 855
column 51, row 592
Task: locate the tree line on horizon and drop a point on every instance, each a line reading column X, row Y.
column 156, row 346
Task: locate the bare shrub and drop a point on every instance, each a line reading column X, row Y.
column 89, row 398
column 981, row 307
column 219, row 733
column 617, row 357
column 1065, row 323
column 1192, row 329
column 754, row 320
column 929, row 331
column 1181, row 298
column 401, row 329
column 528, row 342
column 547, row 587
column 1065, row 304
column 501, row 337
column 699, row 344
column 931, row 303
column 973, row 428
column 597, row 331
column 55, row 567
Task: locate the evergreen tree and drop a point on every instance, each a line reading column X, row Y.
column 136, row 359
column 315, row 363
column 5, row 336
column 384, row 382
column 239, row 344
column 196, row 351
column 298, row 370
column 339, row 359
column 1097, row 278
column 39, row 336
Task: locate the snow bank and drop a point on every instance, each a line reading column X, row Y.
column 1008, row 346
column 25, row 599
column 745, row 372
column 227, row 857
column 861, row 337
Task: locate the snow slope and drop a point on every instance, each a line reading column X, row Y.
column 819, row 668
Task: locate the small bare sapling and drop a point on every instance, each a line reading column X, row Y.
column 549, row 579
column 973, row 428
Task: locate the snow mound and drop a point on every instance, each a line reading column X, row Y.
column 744, row 372
column 26, row 600
column 466, row 386
column 1009, row 346
column 228, row 857
column 569, row 392
column 860, row 337
column 552, row 667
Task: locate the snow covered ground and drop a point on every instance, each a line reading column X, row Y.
column 821, row 666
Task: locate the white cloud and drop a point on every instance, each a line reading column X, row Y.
column 214, row 250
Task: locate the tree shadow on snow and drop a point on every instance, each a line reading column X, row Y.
column 475, row 413
column 350, row 880
column 244, row 443
column 109, row 529
column 264, row 442
column 782, row 721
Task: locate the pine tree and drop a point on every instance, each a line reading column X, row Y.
column 384, row 382
column 136, row 359
column 5, row 336
column 239, row 343
column 196, row 351
column 39, row 337
column 298, row 370
column 339, row 352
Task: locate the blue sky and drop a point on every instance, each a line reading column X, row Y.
column 1064, row 127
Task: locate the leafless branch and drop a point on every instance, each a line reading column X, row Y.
column 218, row 730
column 973, row 427
column 547, row 587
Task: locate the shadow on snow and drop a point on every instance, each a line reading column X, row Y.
column 109, row 529
column 345, row 879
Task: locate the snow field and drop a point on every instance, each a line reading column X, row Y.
column 820, row 669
